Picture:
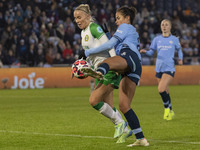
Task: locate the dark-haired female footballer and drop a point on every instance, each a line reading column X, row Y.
column 128, row 63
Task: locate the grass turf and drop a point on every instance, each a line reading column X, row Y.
column 62, row 119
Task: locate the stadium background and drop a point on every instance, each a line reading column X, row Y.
column 61, row 118
column 42, row 33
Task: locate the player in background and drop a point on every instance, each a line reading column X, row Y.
column 165, row 45
column 101, row 98
column 128, row 63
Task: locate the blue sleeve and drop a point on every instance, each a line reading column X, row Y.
column 121, row 32
column 180, row 54
column 150, row 52
column 106, row 46
column 153, row 48
column 178, row 48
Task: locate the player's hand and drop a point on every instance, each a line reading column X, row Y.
column 105, row 30
column 143, row 51
column 180, row 62
column 82, row 55
column 104, row 27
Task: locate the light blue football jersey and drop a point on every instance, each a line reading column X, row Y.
column 165, row 47
column 127, row 36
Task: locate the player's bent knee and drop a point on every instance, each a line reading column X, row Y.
column 93, row 103
column 161, row 89
column 124, row 107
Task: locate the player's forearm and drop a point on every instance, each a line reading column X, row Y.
column 104, row 47
column 149, row 52
column 180, row 54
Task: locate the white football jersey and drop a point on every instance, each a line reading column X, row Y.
column 93, row 36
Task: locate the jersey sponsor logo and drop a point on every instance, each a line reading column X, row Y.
column 162, row 47
column 171, row 42
column 120, row 31
column 86, row 38
column 99, row 29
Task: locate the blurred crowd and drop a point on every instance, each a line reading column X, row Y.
column 42, row 33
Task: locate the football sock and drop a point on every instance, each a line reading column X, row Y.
column 98, row 106
column 108, row 112
column 103, row 68
column 170, row 105
column 114, row 109
column 165, row 99
column 134, row 124
column 118, row 117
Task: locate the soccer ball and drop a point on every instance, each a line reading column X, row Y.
column 77, row 66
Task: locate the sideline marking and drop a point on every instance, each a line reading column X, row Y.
column 83, row 136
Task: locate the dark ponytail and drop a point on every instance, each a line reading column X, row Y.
column 128, row 11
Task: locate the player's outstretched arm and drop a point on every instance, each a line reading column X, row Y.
column 143, row 51
column 106, row 46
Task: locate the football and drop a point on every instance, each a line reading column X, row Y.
column 77, row 66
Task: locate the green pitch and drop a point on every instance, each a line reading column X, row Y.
column 62, row 119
